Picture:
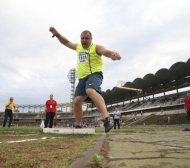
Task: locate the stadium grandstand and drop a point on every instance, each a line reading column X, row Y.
column 174, row 78
column 131, row 98
column 164, row 80
column 34, row 119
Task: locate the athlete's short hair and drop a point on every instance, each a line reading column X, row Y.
column 87, row 31
column 51, row 94
column 11, row 97
column 188, row 91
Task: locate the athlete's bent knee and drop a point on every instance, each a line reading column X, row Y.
column 90, row 92
column 77, row 101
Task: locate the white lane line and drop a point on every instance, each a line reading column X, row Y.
column 44, row 138
column 29, row 140
column 22, row 140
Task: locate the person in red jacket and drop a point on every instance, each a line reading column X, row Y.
column 187, row 105
column 50, row 110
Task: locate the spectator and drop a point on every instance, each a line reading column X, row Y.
column 187, row 105
column 116, row 118
column 141, row 113
column 166, row 119
column 8, row 111
column 50, row 110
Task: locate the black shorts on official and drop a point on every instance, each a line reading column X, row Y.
column 91, row 81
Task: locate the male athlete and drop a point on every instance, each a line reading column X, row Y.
column 89, row 71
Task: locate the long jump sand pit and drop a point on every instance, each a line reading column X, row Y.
column 156, row 149
column 69, row 130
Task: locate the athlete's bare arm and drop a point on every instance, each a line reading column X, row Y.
column 100, row 50
column 62, row 39
column 66, row 42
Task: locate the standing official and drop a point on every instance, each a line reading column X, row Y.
column 8, row 111
column 187, row 105
column 50, row 110
column 116, row 118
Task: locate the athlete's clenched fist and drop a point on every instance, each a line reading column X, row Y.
column 115, row 56
column 54, row 31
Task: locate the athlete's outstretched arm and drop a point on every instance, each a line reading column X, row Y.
column 111, row 54
column 62, row 39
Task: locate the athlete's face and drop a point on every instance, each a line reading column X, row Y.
column 86, row 40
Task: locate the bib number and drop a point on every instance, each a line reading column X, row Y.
column 50, row 106
column 83, row 57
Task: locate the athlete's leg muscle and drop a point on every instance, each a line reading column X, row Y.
column 78, row 108
column 98, row 101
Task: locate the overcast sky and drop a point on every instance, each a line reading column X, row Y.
column 148, row 34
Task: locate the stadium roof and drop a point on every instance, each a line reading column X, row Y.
column 177, row 71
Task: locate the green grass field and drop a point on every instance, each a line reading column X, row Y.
column 54, row 151
column 22, row 129
column 39, row 130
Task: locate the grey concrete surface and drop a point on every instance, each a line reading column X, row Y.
column 167, row 149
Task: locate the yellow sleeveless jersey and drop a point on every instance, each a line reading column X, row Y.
column 88, row 61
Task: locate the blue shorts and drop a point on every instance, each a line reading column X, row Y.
column 91, row 81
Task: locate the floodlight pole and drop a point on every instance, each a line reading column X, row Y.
column 72, row 76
